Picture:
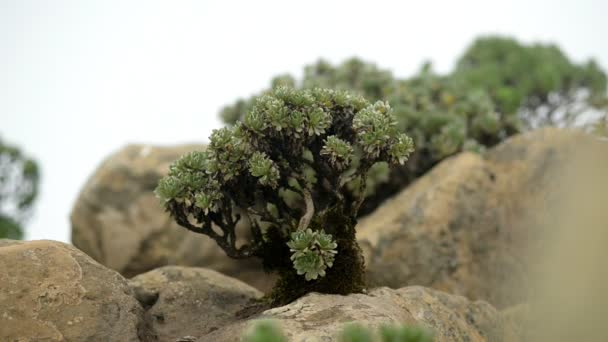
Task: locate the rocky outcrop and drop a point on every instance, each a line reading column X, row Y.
column 317, row 317
column 468, row 226
column 51, row 291
column 187, row 301
column 119, row 222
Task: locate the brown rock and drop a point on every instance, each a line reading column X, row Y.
column 185, row 302
column 51, row 291
column 318, row 317
column 119, row 222
column 468, row 225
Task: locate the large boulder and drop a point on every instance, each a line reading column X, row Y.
column 318, row 317
column 50, row 291
column 187, row 301
column 468, row 226
column 119, row 222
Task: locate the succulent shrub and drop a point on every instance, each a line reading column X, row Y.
column 285, row 170
column 537, row 81
column 19, row 177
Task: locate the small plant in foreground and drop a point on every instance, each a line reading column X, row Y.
column 285, row 170
column 405, row 334
column 269, row 331
column 265, row 331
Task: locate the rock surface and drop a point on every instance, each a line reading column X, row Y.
column 119, row 222
column 187, row 301
column 51, row 291
column 318, row 317
column 468, row 225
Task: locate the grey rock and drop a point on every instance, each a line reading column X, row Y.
column 468, row 226
column 183, row 303
column 51, row 291
column 318, row 317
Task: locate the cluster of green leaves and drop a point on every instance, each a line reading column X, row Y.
column 270, row 331
column 313, row 252
column 292, row 143
column 537, row 81
column 19, row 178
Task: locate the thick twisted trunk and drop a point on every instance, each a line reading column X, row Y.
column 344, row 277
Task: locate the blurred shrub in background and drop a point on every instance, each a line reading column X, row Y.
column 19, row 177
column 538, row 81
column 498, row 88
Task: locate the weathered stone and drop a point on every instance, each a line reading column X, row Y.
column 318, row 317
column 468, row 225
column 119, row 222
column 51, row 291
column 187, row 301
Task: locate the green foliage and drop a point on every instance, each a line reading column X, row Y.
column 19, row 178
column 352, row 75
column 441, row 117
column 356, row 333
column 292, row 144
column 313, row 252
column 265, row 331
column 264, row 169
column 9, row 229
column 405, row 334
column 269, row 331
column 499, row 88
column 387, row 333
column 339, row 152
column 538, row 81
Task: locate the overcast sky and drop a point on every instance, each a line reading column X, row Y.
column 80, row 79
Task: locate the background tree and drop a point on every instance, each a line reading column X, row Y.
column 441, row 116
column 292, row 144
column 18, row 189
column 537, row 81
column 498, row 88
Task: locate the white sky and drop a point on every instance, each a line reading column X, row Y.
column 80, row 79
